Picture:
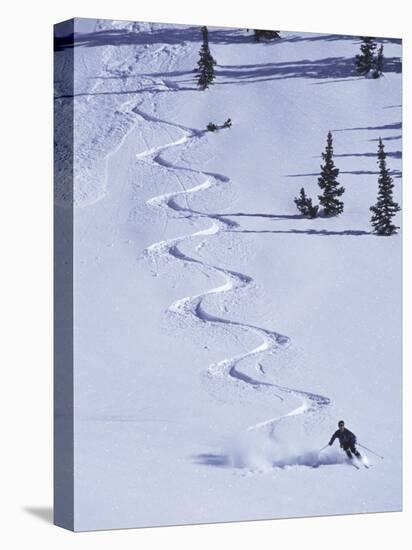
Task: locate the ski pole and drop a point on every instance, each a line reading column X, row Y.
column 370, row 450
column 323, row 448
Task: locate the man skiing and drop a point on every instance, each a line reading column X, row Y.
column 347, row 440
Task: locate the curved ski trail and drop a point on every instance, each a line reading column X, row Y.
column 233, row 281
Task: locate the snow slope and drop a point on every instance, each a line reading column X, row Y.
column 219, row 336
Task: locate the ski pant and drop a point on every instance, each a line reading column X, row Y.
column 350, row 448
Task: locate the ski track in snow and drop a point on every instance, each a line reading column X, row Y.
column 192, row 306
column 233, row 281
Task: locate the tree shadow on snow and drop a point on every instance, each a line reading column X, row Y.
column 389, row 154
column 394, row 173
column 329, row 67
column 334, row 68
column 393, row 126
column 389, row 138
column 337, row 69
column 177, row 34
column 320, row 232
column 311, row 37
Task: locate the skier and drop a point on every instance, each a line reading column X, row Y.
column 347, row 440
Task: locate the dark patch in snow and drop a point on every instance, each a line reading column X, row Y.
column 210, row 459
column 259, row 215
column 394, row 126
column 322, row 232
column 329, row 67
column 394, row 173
column 391, row 154
column 179, row 34
column 389, row 138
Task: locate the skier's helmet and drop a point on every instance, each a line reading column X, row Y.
column 341, row 424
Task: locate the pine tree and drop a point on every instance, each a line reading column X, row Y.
column 328, row 183
column 365, row 60
column 385, row 208
column 206, row 63
column 378, row 64
column 304, row 205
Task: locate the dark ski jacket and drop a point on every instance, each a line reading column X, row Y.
column 346, row 437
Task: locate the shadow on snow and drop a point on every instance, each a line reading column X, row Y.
column 390, row 154
column 320, row 232
column 340, row 68
column 329, row 67
column 394, row 173
column 393, row 126
column 176, row 34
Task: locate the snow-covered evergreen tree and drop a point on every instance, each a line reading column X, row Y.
column 378, row 64
column 365, row 60
column 206, row 63
column 269, row 35
column 327, row 181
column 305, row 206
column 385, row 208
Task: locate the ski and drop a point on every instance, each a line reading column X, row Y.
column 359, row 464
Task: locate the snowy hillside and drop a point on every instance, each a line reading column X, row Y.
column 219, row 335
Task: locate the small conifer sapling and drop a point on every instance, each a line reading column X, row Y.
column 305, row 206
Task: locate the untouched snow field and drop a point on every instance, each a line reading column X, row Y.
column 219, row 336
